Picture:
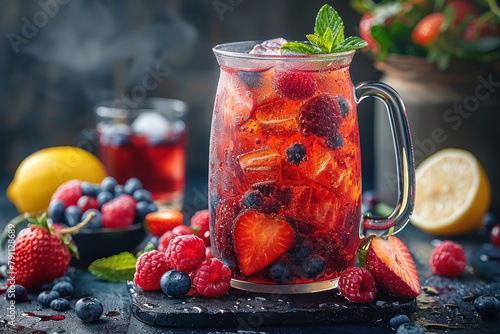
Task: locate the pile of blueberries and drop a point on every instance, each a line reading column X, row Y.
column 104, row 192
column 57, row 295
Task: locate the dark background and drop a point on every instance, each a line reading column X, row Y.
column 83, row 52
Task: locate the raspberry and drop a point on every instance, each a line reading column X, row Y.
column 320, row 116
column 357, row 285
column 87, row 203
column 149, row 269
column 186, row 252
column 165, row 240
column 212, row 278
column 119, row 212
column 200, row 222
column 448, row 259
column 68, row 193
column 495, row 235
column 294, row 85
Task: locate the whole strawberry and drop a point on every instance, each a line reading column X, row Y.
column 42, row 254
column 119, row 212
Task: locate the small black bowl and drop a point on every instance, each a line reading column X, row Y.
column 102, row 242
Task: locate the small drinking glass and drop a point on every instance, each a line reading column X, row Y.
column 146, row 140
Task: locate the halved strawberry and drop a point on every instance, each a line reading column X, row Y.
column 162, row 221
column 260, row 240
column 391, row 265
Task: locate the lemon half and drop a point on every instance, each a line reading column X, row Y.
column 452, row 193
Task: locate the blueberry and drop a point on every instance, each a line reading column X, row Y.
column 132, row 185
column 313, row 266
column 409, row 328
column 253, row 80
column 489, row 220
column 398, row 320
column 104, row 197
column 88, row 309
column 296, row 153
column 96, row 222
column 62, row 279
column 175, row 283
column 65, row 289
column 141, row 210
column 59, row 304
column 16, row 292
column 344, row 106
column 72, row 215
column 90, row 189
column 119, row 139
column 336, row 142
column 155, row 241
column 153, row 207
column 280, row 272
column 108, row 184
column 46, row 297
column 119, row 190
column 56, row 211
column 143, row 195
column 303, row 248
column 253, row 199
column 487, row 306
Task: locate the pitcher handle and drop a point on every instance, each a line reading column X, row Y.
column 405, row 164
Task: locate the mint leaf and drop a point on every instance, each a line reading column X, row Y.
column 116, row 268
column 318, row 42
column 328, row 36
column 350, row 43
column 300, row 47
column 328, row 18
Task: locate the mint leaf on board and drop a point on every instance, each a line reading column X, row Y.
column 116, row 268
column 328, row 36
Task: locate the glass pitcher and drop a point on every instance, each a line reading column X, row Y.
column 285, row 169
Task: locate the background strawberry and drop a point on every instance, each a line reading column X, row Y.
column 68, row 193
column 119, row 212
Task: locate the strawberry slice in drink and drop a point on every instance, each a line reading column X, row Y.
column 260, row 240
column 392, row 266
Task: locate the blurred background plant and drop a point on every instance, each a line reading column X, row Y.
column 441, row 30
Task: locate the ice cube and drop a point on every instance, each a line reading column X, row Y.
column 152, row 124
column 269, row 47
column 261, row 165
column 114, row 134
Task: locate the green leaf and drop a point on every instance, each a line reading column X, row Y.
column 301, row 48
column 383, row 209
column 318, row 42
column 362, row 257
column 34, row 221
column 74, row 250
column 327, row 18
column 350, row 43
column 149, row 247
column 116, row 268
column 328, row 39
column 339, row 38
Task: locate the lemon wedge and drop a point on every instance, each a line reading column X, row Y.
column 452, row 193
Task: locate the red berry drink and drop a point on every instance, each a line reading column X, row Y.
column 152, row 148
column 285, row 169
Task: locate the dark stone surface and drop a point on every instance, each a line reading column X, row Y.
column 242, row 309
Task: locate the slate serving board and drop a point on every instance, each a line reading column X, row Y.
column 249, row 310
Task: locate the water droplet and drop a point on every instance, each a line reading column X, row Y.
column 262, row 299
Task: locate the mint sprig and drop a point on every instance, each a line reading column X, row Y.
column 328, row 36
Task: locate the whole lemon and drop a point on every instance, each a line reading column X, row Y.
column 41, row 173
